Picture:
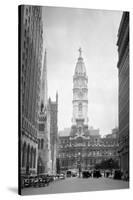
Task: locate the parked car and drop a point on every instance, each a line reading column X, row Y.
column 62, row 176
column 46, row 179
column 86, row 174
column 56, row 177
column 68, row 173
column 31, row 180
column 74, row 174
column 117, row 174
column 42, row 180
column 35, row 182
column 96, row 174
column 51, row 178
column 26, row 181
column 107, row 173
column 125, row 176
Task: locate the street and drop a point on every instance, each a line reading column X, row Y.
column 78, row 185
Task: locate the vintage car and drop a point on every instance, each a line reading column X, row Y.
column 117, row 174
column 41, row 180
column 69, row 173
column 44, row 179
column 26, row 181
column 74, row 174
column 86, row 174
column 31, row 180
column 35, row 182
column 96, row 174
column 61, row 176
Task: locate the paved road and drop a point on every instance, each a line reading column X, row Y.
column 78, row 185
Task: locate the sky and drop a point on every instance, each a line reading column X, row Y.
column 95, row 31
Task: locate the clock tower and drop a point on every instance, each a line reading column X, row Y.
column 80, row 95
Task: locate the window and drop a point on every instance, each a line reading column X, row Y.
column 26, row 22
column 23, row 55
column 26, row 11
column 34, row 163
column 31, row 157
column 24, row 155
column 25, row 33
column 29, row 9
column 38, row 143
column 24, row 44
column 80, row 107
column 41, row 127
column 29, row 19
column 42, row 142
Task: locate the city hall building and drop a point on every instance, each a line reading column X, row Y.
column 84, row 147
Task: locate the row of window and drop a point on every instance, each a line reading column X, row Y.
column 40, row 143
column 28, row 127
column 96, row 141
column 91, row 153
column 84, row 144
column 66, row 163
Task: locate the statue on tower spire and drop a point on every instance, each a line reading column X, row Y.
column 80, row 52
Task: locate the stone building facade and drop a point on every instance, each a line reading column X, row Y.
column 86, row 151
column 44, row 150
column 53, row 121
column 31, row 47
column 123, row 73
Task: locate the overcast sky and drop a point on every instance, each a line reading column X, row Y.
column 95, row 31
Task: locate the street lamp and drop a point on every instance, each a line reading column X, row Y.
column 79, row 164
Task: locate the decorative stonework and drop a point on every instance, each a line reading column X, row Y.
column 80, row 96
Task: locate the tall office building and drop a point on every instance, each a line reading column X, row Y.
column 31, row 47
column 123, row 71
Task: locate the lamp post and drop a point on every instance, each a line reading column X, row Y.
column 79, row 164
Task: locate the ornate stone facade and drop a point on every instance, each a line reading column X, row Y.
column 44, row 150
column 89, row 150
column 47, row 124
column 53, row 120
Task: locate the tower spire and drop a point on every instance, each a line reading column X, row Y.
column 44, row 81
column 80, row 93
column 57, row 97
column 80, row 52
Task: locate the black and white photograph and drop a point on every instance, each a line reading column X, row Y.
column 73, row 100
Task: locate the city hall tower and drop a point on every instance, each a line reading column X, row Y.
column 80, row 98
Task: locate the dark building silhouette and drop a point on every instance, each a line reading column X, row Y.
column 123, row 71
column 31, row 45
